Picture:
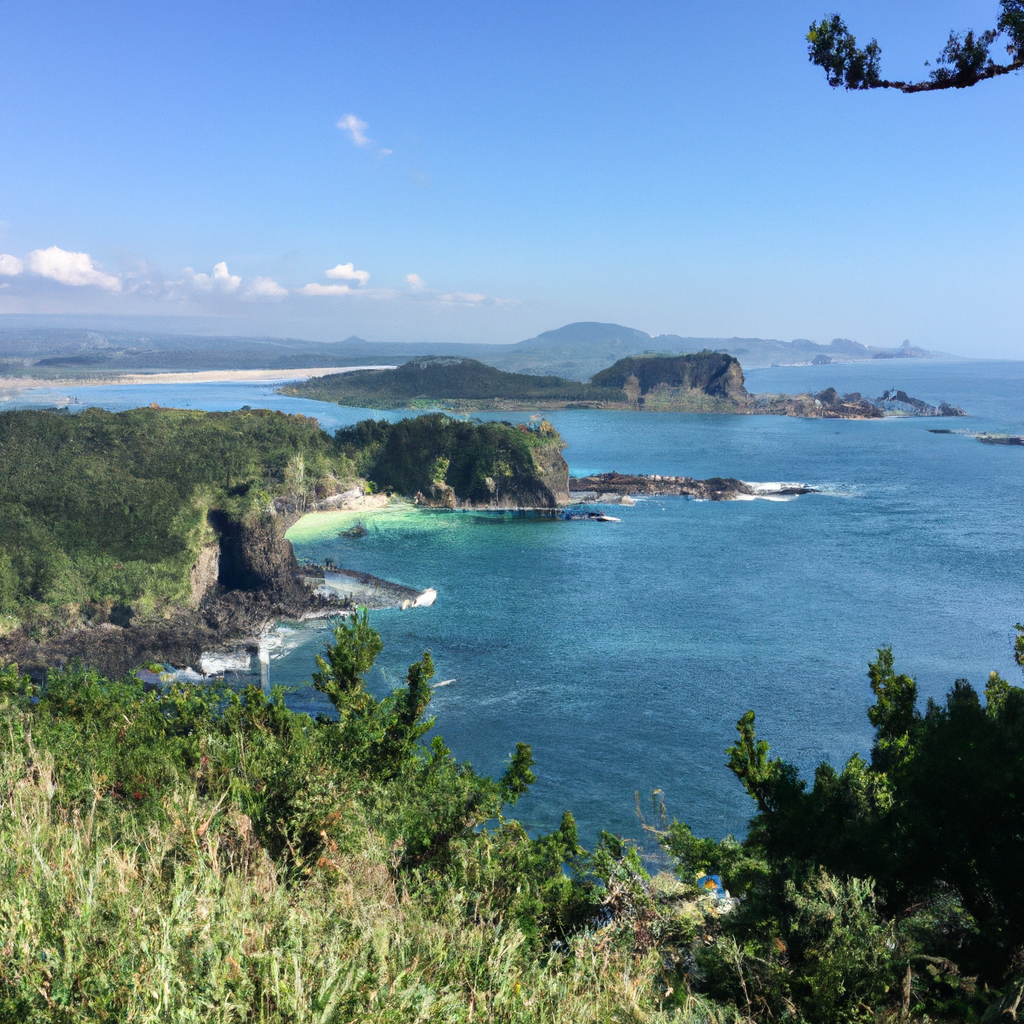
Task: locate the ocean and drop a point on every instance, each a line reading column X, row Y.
column 624, row 653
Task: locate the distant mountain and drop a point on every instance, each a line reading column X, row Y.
column 576, row 351
column 580, row 350
column 62, row 351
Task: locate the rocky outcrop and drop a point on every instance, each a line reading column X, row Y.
column 900, row 401
column 697, row 382
column 713, row 489
column 827, row 405
column 239, row 585
column 256, row 557
column 1014, row 440
column 546, row 486
column 553, row 472
column 204, row 574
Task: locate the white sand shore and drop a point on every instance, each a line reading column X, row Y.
column 188, row 377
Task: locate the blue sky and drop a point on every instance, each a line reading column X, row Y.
column 501, row 169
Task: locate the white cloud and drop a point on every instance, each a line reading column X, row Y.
column 10, row 266
column 72, row 268
column 415, row 282
column 386, row 152
column 342, row 272
column 265, row 287
column 326, row 289
column 356, row 128
column 221, row 280
column 348, row 272
column 463, row 298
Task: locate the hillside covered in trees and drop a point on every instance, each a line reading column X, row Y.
column 694, row 382
column 449, row 382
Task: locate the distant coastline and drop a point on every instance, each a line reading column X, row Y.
column 705, row 382
column 268, row 376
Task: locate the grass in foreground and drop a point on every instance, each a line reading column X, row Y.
column 199, row 855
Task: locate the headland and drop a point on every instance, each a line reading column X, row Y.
column 704, row 381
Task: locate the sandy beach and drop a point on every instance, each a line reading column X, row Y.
column 195, row 377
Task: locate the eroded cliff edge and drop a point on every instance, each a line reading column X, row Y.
column 243, row 581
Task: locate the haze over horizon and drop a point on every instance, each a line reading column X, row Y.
column 428, row 172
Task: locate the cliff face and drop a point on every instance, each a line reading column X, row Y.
column 238, row 584
column 553, row 472
column 544, row 485
column 256, row 557
column 698, row 381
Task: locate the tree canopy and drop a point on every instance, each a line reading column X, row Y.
column 965, row 60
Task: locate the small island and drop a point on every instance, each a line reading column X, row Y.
column 694, row 382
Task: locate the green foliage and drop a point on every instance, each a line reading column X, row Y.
column 894, row 713
column 893, row 883
column 773, row 784
column 446, row 379
column 833, row 48
column 196, row 853
column 111, row 507
column 965, row 60
column 476, row 458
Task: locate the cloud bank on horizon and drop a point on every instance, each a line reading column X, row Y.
column 80, row 270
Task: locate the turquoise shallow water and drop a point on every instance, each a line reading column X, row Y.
column 625, row 652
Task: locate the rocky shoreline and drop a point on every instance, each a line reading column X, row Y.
column 1013, row 440
column 250, row 580
column 242, row 586
column 603, row 487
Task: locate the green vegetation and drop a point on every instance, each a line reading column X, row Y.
column 197, row 854
column 702, row 381
column 112, row 509
column 440, row 457
column 444, row 380
column 965, row 60
column 893, row 883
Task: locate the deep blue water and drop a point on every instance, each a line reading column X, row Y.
column 625, row 653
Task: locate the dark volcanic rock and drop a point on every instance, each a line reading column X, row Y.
column 714, row 489
column 258, row 584
column 1010, row 439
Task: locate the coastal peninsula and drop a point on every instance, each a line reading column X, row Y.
column 156, row 534
column 694, row 382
